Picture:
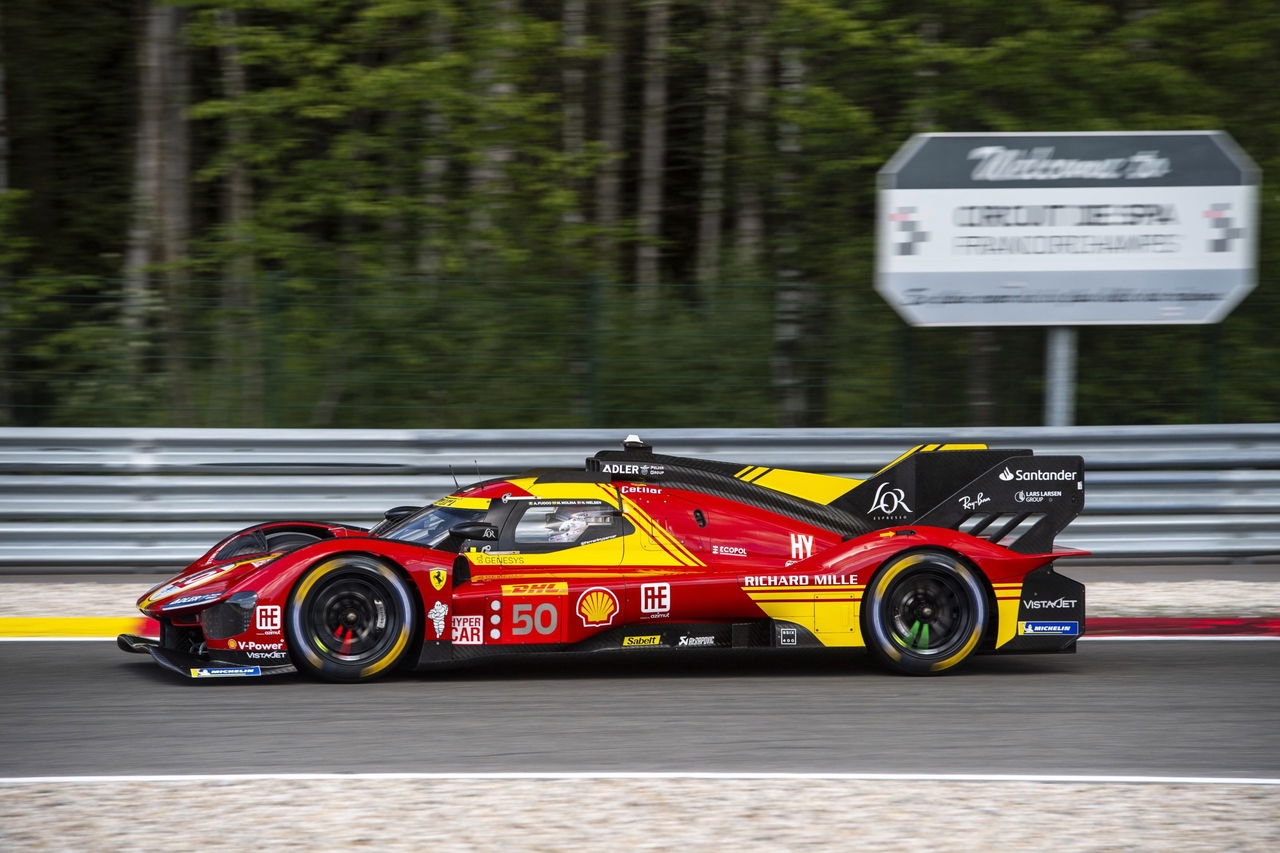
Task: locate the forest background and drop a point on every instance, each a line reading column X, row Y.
column 560, row 213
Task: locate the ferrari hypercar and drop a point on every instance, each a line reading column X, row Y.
column 945, row 552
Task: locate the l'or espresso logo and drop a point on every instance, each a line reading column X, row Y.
column 889, row 501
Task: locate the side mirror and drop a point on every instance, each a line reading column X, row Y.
column 396, row 513
column 475, row 530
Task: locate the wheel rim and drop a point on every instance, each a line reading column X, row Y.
column 352, row 619
column 928, row 613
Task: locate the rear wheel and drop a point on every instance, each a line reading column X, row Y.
column 923, row 613
column 350, row 619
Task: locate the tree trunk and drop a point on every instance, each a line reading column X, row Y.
column 140, row 249
column 573, row 79
column 749, row 224
column 4, row 116
column 6, row 395
column 161, row 224
column 653, row 152
column 609, row 178
column 488, row 175
column 241, row 338
column 715, row 129
column 797, row 384
column 435, row 164
column 175, row 208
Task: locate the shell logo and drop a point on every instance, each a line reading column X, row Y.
column 597, row 607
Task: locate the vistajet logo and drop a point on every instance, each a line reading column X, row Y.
column 1055, row 604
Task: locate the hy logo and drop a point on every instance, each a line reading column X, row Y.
column 1006, row 475
column 801, row 546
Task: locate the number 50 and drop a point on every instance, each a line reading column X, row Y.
column 543, row 619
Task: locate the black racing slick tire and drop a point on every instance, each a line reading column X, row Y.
column 350, row 618
column 923, row 613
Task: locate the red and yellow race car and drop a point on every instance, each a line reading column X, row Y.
column 945, row 552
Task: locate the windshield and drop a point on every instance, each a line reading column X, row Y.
column 431, row 527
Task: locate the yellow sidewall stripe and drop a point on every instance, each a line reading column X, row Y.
column 300, row 596
column 655, row 531
column 394, row 654
column 77, row 626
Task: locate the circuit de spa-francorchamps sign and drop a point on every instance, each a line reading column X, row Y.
column 1066, row 229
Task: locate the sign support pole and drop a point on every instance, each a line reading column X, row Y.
column 1060, row 376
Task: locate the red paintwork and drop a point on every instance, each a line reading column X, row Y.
column 772, row 543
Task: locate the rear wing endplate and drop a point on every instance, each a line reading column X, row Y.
column 1010, row 497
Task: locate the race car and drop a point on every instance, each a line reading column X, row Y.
column 945, row 552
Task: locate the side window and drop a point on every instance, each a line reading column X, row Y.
column 550, row 525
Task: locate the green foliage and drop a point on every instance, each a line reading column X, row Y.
column 379, row 132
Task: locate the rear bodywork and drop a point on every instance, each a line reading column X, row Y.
column 649, row 551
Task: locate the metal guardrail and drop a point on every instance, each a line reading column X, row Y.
column 151, row 498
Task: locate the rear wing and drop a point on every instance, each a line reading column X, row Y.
column 1010, row 497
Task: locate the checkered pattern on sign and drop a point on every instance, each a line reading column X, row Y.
column 909, row 232
column 1220, row 220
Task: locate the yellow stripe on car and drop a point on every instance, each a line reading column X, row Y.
column 819, row 488
column 463, row 502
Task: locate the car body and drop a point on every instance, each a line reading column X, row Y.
column 946, row 551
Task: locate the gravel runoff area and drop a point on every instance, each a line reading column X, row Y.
column 639, row 814
column 1182, row 598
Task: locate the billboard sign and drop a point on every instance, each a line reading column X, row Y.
column 1065, row 229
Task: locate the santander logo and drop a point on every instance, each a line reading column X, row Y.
column 1006, row 475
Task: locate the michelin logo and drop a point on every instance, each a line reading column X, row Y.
column 225, row 671
column 1066, row 629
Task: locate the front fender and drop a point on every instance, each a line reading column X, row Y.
column 257, row 539
column 429, row 571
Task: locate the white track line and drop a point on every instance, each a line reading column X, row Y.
column 605, row 775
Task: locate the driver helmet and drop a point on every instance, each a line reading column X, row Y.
column 566, row 525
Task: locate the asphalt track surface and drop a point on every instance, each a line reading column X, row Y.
column 1182, row 708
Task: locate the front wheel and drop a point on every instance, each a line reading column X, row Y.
column 350, row 619
column 923, row 613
